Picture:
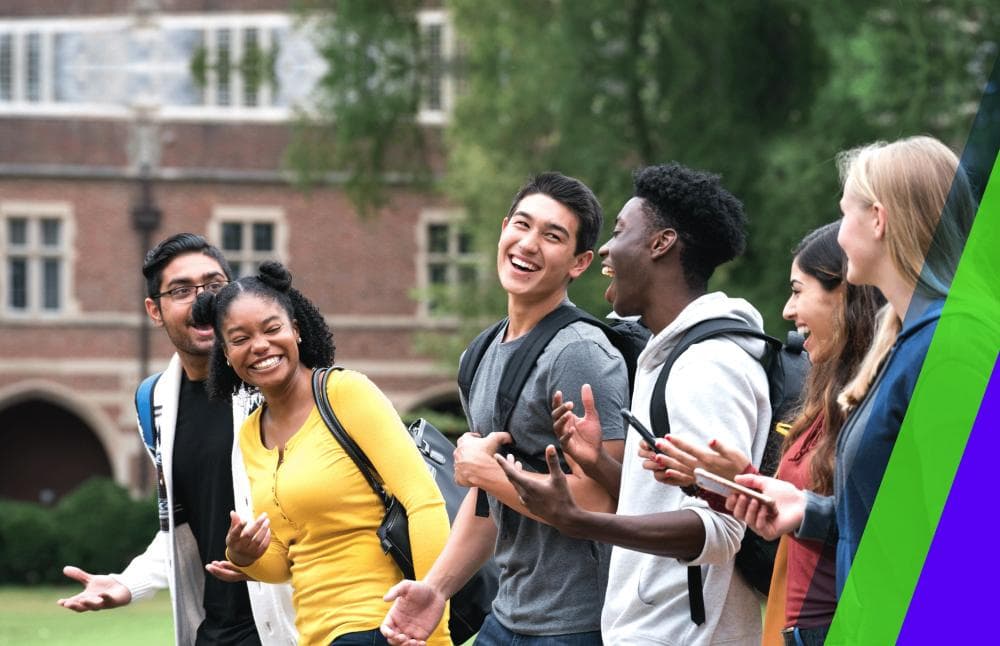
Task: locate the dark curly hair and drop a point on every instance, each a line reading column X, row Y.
column 708, row 219
column 273, row 282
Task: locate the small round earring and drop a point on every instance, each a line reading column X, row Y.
column 300, row 339
column 228, row 364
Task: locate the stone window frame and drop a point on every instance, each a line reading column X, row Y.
column 247, row 216
column 36, row 253
column 452, row 257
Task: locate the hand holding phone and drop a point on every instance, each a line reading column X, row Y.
column 645, row 433
column 725, row 487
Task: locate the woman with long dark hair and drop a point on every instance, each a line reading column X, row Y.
column 908, row 209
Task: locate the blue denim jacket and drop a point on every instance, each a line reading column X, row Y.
column 867, row 439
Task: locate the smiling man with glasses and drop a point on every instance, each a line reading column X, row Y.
column 194, row 451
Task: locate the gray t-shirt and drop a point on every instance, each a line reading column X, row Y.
column 550, row 584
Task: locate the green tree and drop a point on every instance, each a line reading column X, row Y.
column 764, row 93
column 362, row 129
column 596, row 89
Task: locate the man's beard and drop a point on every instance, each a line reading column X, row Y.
column 182, row 341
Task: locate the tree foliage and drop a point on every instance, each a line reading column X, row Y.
column 598, row 88
column 362, row 128
column 763, row 93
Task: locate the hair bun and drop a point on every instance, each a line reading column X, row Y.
column 274, row 274
column 203, row 310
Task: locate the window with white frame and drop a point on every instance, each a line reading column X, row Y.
column 234, row 64
column 26, row 71
column 437, row 82
column 448, row 262
column 222, row 66
column 248, row 236
column 35, row 246
column 193, row 66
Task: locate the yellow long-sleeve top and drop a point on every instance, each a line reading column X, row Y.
column 324, row 515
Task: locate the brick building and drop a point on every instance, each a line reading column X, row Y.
column 97, row 105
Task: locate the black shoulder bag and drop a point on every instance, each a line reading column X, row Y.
column 473, row 602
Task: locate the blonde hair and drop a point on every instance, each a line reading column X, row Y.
column 930, row 208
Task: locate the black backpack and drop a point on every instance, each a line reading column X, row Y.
column 786, row 367
column 628, row 337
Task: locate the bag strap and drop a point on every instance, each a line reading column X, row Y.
column 145, row 409
column 320, row 379
column 515, row 373
column 474, row 356
column 660, row 420
column 659, row 417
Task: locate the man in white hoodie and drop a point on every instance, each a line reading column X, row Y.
column 201, row 477
column 667, row 241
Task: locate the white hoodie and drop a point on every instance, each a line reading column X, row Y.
column 716, row 389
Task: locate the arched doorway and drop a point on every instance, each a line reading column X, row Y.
column 47, row 452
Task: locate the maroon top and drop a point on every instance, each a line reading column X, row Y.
column 811, row 593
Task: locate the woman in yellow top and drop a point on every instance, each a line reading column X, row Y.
column 318, row 515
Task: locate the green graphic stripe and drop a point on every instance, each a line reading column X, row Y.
column 930, row 444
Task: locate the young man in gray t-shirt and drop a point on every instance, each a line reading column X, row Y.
column 551, row 587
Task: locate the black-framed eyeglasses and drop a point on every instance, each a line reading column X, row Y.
column 187, row 293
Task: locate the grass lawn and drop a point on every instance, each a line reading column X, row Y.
column 29, row 615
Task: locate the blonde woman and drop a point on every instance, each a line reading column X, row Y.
column 907, row 210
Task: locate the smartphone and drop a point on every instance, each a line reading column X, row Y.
column 725, row 487
column 631, row 420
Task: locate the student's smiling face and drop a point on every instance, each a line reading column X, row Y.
column 536, row 253
column 625, row 259
column 260, row 341
column 193, row 268
column 860, row 238
column 814, row 310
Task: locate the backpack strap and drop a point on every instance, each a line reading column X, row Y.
column 660, row 420
column 467, row 368
column 517, row 370
column 320, row 379
column 145, row 409
column 515, row 374
column 511, row 385
column 519, row 367
column 474, row 356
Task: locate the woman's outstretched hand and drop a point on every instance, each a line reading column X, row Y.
column 680, row 457
column 769, row 522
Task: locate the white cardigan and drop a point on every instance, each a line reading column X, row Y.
column 172, row 558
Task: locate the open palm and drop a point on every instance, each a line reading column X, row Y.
column 580, row 437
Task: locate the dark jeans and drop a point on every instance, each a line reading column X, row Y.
column 796, row 636
column 494, row 634
column 363, row 638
